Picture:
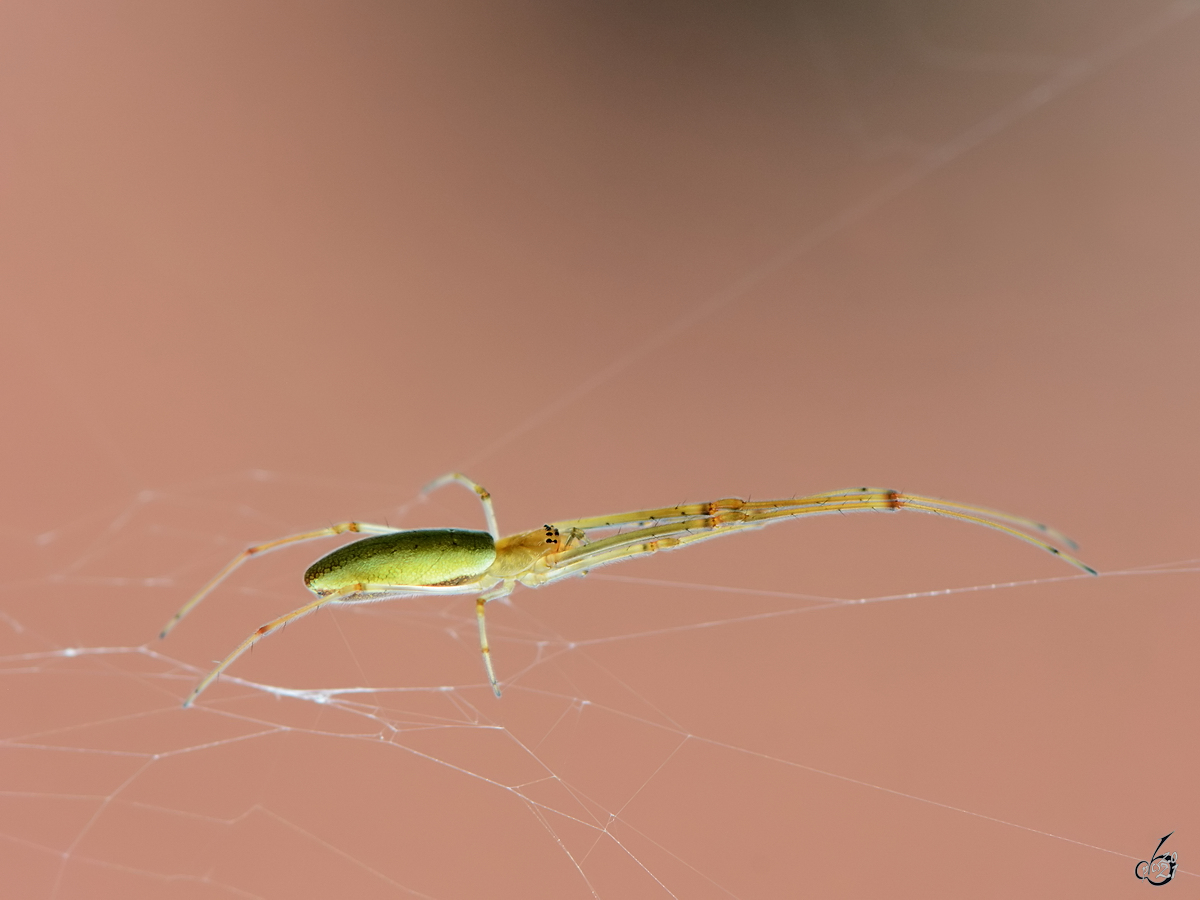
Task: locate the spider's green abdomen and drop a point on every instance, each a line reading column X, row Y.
column 430, row 557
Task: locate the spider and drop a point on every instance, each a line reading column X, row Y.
column 403, row 563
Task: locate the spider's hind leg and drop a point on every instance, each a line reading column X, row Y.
column 258, row 550
column 262, row 632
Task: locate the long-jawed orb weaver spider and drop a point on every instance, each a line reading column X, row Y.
column 395, row 563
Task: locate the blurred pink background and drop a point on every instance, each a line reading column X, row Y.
column 266, row 267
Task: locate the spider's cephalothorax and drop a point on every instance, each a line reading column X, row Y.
column 517, row 554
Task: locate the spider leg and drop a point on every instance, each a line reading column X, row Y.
column 997, row 521
column 984, row 512
column 367, row 592
column 640, row 542
column 261, row 633
column 484, row 497
column 502, row 591
column 341, row 527
column 672, row 526
column 876, row 498
column 375, row 592
column 679, row 525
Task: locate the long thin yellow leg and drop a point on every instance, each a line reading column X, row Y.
column 484, row 497
column 501, row 591
column 828, row 501
column 262, row 633
column 985, row 512
column 646, row 541
column 258, row 550
column 675, row 526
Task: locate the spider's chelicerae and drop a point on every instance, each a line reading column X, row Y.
column 394, row 563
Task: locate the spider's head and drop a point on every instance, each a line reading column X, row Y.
column 518, row 553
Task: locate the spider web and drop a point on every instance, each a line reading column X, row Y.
column 382, row 708
column 701, row 724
